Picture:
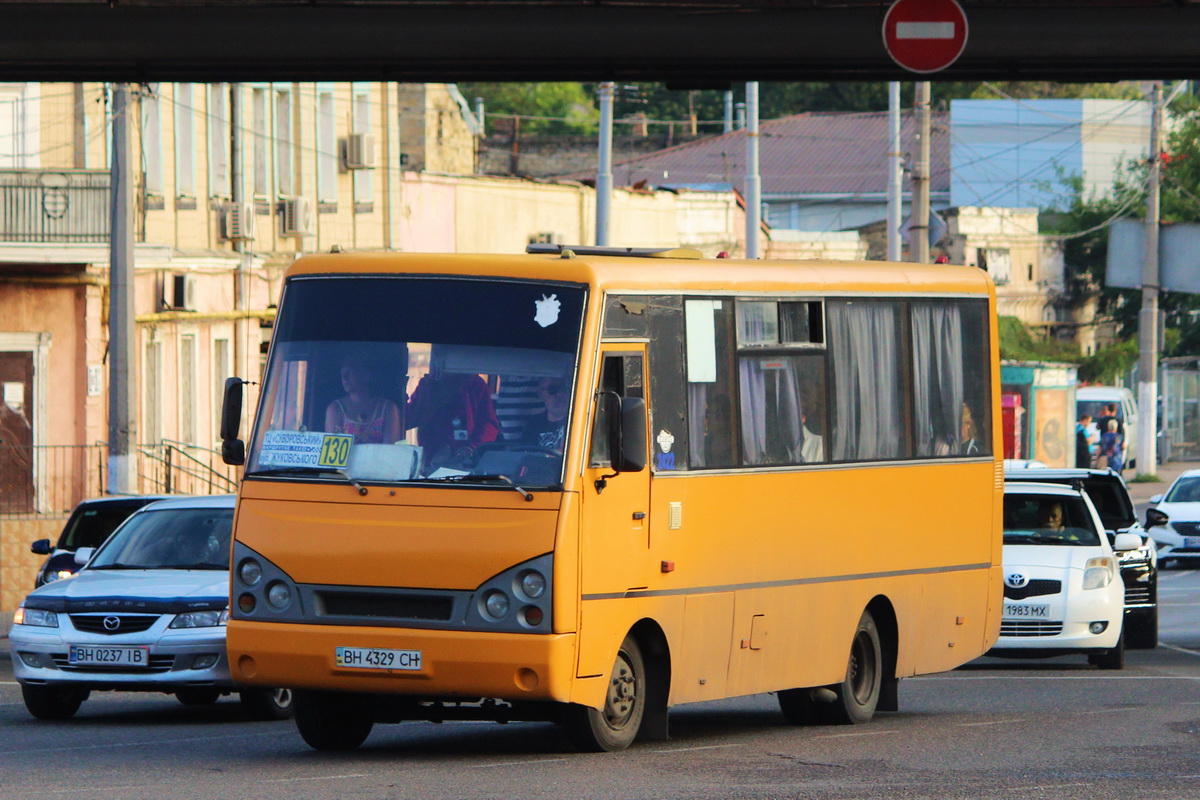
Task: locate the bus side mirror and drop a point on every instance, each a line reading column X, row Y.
column 233, row 449
column 1155, row 517
column 630, row 455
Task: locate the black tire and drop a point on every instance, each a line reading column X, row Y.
column 617, row 725
column 1142, row 634
column 332, row 721
column 53, row 702
column 267, row 704
column 1113, row 658
column 197, row 695
column 858, row 694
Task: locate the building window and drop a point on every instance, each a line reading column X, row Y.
column 260, row 137
column 285, row 165
column 364, row 179
column 185, row 140
column 187, row 388
column 152, row 378
column 218, row 140
column 152, row 155
column 327, row 156
column 221, row 371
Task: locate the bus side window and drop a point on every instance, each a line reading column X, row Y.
column 621, row 374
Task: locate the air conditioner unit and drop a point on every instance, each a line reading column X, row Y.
column 295, row 217
column 358, row 151
column 238, row 221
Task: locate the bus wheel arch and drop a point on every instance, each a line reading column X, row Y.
column 869, row 670
column 636, row 700
column 889, row 636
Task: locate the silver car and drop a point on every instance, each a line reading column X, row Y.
column 147, row 612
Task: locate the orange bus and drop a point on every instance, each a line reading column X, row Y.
column 584, row 485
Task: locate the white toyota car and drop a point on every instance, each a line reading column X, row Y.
column 147, row 612
column 1062, row 590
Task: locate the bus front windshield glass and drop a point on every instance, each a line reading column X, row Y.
column 391, row 379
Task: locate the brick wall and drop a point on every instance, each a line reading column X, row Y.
column 550, row 156
column 18, row 566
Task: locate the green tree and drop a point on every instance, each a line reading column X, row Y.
column 545, row 108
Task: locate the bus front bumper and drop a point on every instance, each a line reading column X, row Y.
column 450, row 665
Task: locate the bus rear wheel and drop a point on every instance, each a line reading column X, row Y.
column 858, row 693
column 331, row 721
column 616, row 726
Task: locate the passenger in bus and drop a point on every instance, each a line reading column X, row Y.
column 453, row 415
column 969, row 442
column 549, row 429
column 812, row 448
column 363, row 413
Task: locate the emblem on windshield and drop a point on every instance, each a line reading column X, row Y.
column 1015, row 580
column 547, row 310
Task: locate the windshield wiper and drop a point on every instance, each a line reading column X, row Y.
column 200, row 565
column 481, row 479
column 118, row 565
column 312, row 471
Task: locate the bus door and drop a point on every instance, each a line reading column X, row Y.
column 615, row 534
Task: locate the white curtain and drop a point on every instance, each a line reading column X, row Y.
column 771, row 431
column 938, row 386
column 867, row 415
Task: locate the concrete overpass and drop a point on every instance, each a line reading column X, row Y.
column 689, row 42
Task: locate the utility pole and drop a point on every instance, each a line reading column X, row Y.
column 604, row 175
column 1147, row 454
column 122, row 467
column 895, row 172
column 753, row 181
column 918, row 229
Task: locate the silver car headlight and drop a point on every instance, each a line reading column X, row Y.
column 200, row 619
column 35, row 617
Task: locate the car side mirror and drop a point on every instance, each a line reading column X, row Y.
column 233, row 449
column 84, row 554
column 1155, row 517
column 41, row 547
column 1126, row 541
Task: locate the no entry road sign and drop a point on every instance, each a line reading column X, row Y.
column 925, row 35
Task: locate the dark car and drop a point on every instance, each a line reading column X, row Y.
column 88, row 526
column 1139, row 568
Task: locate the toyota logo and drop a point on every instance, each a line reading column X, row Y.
column 1014, row 580
column 112, row 623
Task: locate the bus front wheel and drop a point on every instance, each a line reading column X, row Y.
column 858, row 694
column 616, row 726
column 331, row 721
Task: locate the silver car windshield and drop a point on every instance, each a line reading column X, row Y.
column 178, row 538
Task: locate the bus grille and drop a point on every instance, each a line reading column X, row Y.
column 1034, row 588
column 1029, row 627
column 126, row 623
column 385, row 605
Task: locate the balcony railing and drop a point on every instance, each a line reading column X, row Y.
column 50, row 480
column 57, row 206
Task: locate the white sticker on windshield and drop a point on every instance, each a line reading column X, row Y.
column 547, row 310
column 305, row 449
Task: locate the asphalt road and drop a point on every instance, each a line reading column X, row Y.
column 1055, row 728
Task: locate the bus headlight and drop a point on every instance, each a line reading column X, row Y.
column 279, row 596
column 533, row 584
column 495, row 603
column 250, row 572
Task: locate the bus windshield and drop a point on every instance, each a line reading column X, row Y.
column 390, row 379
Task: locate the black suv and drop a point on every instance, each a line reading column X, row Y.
column 1139, row 568
column 88, row 526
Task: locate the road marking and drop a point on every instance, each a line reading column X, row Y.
column 1179, row 649
column 150, row 743
column 996, row 722
column 1048, row 786
column 690, row 749
column 849, row 735
column 98, row 789
column 1109, row 710
column 518, row 763
column 318, row 778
